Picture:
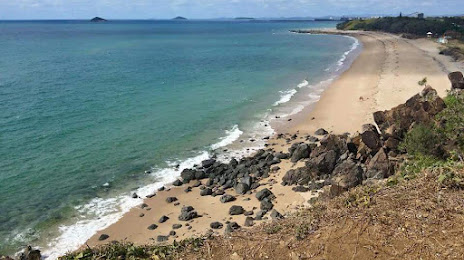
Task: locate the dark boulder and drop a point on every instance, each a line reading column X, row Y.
column 207, row 163
column 337, row 143
column 206, row 192
column 176, row 226
column 216, row 225
column 236, row 210
column 231, row 227
column 163, row 219
column 188, row 213
column 371, row 137
column 457, row 80
column 379, row 166
column 321, row 131
column 264, row 193
column 348, row 174
column 248, row 180
column 227, row 198
column 171, row 199
column 324, row 163
column 248, row 222
column 177, row 183
column 103, row 237
column 241, row 188
column 188, row 175
column 266, row 205
column 301, row 151
column 152, row 227
column 301, row 176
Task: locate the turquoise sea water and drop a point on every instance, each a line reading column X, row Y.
column 86, row 109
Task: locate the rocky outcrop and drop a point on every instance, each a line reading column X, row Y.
column 420, row 109
column 345, row 162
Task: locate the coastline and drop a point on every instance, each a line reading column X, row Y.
column 344, row 106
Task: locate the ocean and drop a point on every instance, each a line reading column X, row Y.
column 92, row 112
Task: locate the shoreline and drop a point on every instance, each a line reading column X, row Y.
column 325, row 114
column 234, row 144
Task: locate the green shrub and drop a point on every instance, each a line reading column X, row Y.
column 423, row 82
column 422, row 140
column 452, row 121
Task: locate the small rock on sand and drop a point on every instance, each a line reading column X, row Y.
column 171, row 199
column 103, row 237
column 152, row 227
column 163, row 219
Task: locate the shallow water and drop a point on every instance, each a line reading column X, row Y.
column 87, row 108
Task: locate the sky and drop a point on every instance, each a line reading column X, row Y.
column 197, row 9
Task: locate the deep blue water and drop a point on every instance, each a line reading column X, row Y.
column 87, row 108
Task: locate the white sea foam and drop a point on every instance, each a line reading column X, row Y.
column 231, row 136
column 342, row 60
column 303, row 84
column 286, row 95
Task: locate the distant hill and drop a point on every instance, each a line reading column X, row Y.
column 98, row 20
column 179, row 18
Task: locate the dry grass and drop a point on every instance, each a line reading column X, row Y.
column 418, row 219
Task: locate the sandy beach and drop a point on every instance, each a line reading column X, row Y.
column 384, row 75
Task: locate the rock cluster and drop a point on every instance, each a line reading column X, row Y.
column 242, row 176
column 345, row 162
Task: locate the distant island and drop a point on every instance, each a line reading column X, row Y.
column 244, row 18
column 179, row 18
column 98, row 20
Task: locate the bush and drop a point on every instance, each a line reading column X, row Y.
column 423, row 140
column 452, row 122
